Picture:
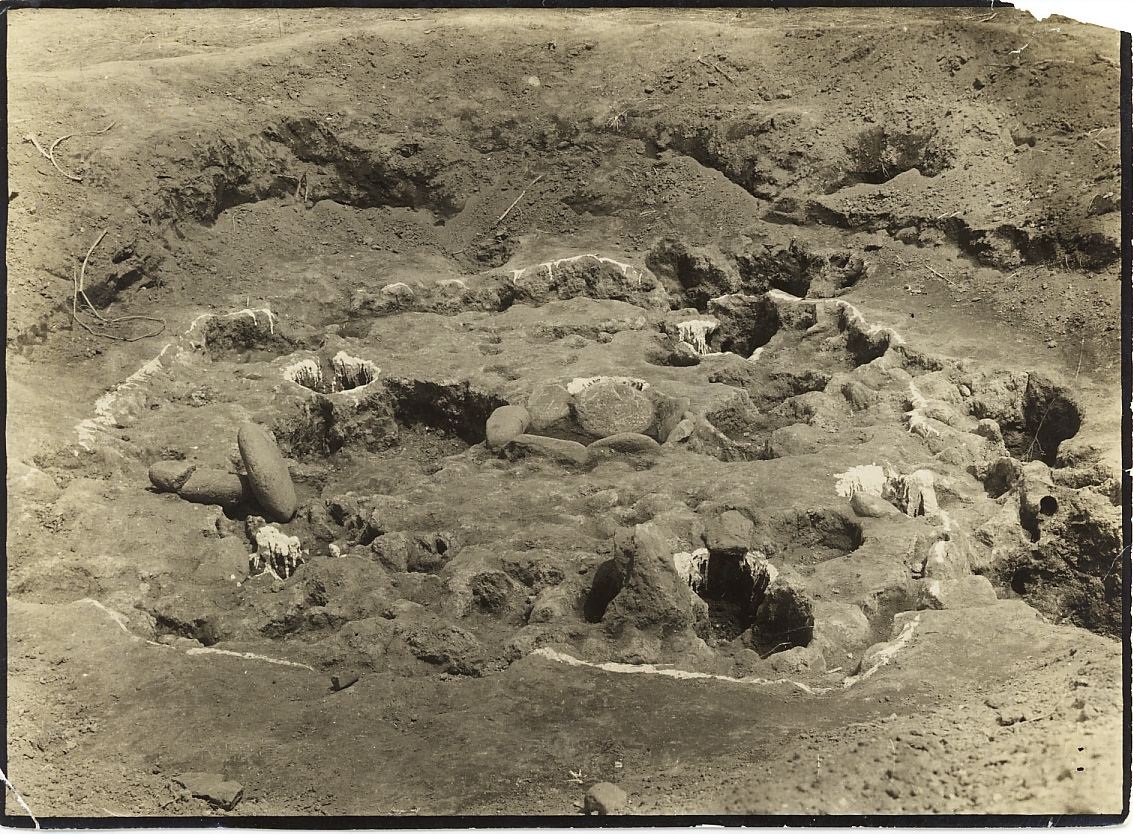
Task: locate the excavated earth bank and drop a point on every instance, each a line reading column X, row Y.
column 723, row 405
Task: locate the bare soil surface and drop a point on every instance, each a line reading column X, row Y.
column 805, row 494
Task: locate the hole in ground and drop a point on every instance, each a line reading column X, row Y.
column 456, row 408
column 733, row 587
column 1050, row 416
column 244, row 338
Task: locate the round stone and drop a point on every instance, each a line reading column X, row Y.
column 267, row 472
column 613, row 407
column 505, row 423
column 170, row 475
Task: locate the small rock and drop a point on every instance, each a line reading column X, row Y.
column 670, row 411
column 170, row 475
column 213, row 788
column 908, row 235
column 275, row 551
column 267, row 472
column 989, row 429
column 612, row 407
column 796, row 439
column 798, row 660
column 604, row 798
column 506, row 423
column 1037, row 499
column 397, row 295
column 945, row 559
column 552, row 604
column 211, row 486
column 392, row 551
column 859, row 397
column 626, row 442
column 343, row 680
column 1002, row 476
column 547, row 405
column 561, row 451
column 430, row 552
column 867, row 505
column 730, row 534
column 684, row 355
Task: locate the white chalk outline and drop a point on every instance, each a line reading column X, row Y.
column 516, row 274
column 120, row 620
column 103, row 407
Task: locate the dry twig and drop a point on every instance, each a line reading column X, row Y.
column 938, row 275
column 717, row 68
column 49, row 154
column 500, row 219
column 79, row 283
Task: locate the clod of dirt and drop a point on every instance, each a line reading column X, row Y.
column 604, row 798
column 213, row 788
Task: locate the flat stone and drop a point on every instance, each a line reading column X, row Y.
column 267, row 472
column 604, row 798
column 681, row 431
column 729, row 533
column 627, row 442
column 212, row 486
column 561, row 451
column 868, row 505
column 213, row 788
column 547, row 405
column 170, row 475
column 966, row 592
column 796, row 439
column 612, row 407
column 507, row 422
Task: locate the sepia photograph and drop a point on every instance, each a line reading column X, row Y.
column 449, row 417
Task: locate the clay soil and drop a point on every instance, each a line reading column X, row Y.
column 913, row 214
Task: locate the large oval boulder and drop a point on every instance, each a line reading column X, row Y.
column 267, row 473
column 613, row 406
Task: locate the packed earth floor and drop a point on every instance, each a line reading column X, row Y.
column 723, row 406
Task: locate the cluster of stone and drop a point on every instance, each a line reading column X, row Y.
column 618, row 413
column 268, row 481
